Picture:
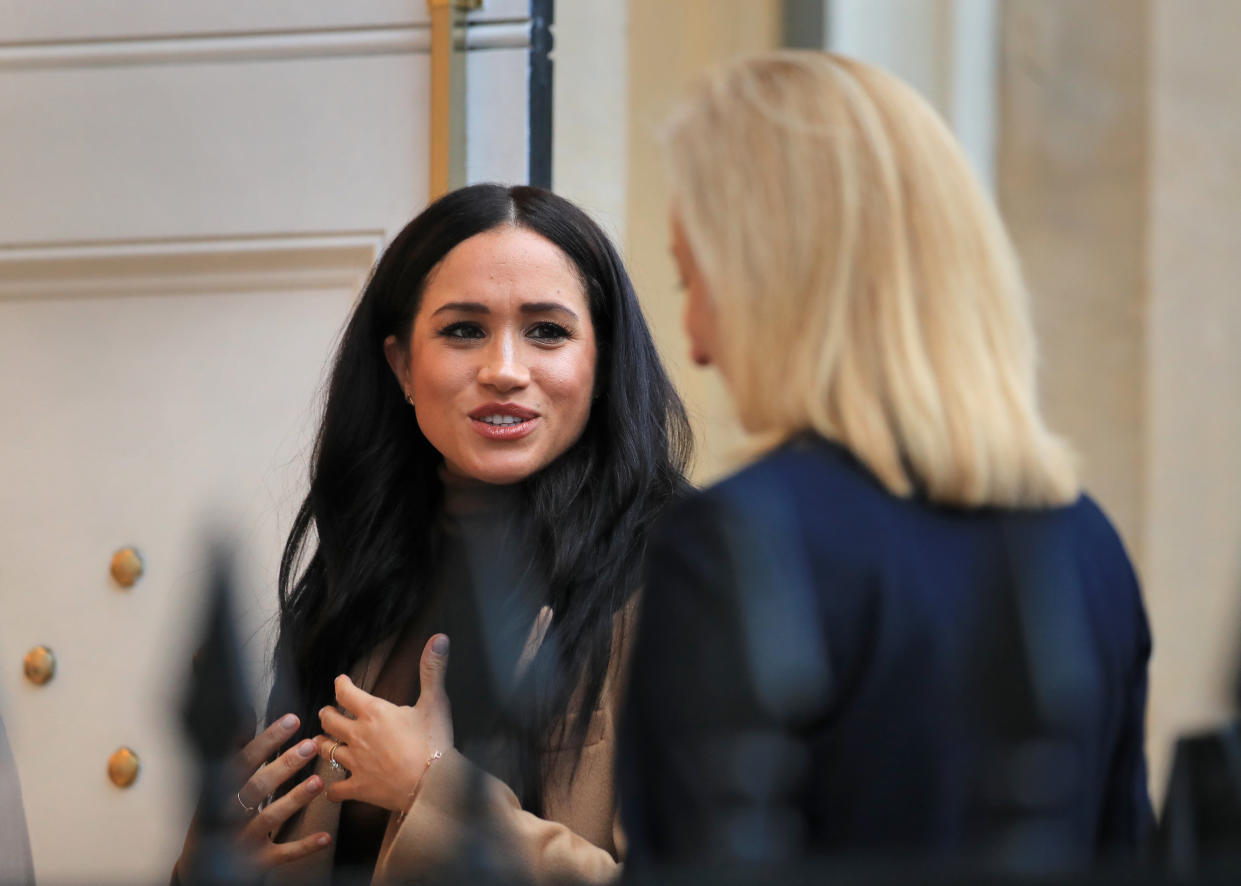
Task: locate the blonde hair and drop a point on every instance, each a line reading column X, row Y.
column 864, row 285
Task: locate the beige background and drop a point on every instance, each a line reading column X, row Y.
column 1193, row 427
column 1117, row 175
column 669, row 43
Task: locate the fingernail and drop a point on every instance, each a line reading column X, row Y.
column 288, row 721
column 323, row 839
column 440, row 645
column 314, row 784
column 307, row 749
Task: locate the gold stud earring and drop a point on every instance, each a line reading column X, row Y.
column 409, row 398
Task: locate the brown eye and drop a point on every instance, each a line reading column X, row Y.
column 462, row 330
column 548, row 332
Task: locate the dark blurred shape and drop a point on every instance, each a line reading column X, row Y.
column 489, row 609
column 216, row 713
column 1038, row 677
column 542, row 42
column 819, row 872
column 736, row 702
column 803, row 24
column 1200, row 829
column 16, row 866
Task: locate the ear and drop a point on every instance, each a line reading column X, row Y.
column 398, row 361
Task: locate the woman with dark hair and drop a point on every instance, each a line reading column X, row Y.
column 498, row 437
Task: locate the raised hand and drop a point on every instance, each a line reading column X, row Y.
column 385, row 747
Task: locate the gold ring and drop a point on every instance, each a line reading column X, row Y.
column 331, row 756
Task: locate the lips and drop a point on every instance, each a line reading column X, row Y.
column 503, row 421
column 509, row 410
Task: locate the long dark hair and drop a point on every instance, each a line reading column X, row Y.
column 368, row 522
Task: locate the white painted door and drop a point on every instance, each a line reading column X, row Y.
column 190, row 196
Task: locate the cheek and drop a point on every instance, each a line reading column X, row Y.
column 437, row 383
column 437, row 376
column 570, row 383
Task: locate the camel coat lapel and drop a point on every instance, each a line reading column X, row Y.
column 579, row 840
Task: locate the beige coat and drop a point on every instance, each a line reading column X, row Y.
column 578, row 839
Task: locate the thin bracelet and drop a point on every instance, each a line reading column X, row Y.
column 409, row 804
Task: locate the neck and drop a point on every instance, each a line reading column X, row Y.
column 468, row 496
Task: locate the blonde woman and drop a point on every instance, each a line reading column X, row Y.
column 903, row 631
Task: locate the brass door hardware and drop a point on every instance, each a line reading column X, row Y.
column 448, row 143
column 123, row 767
column 127, row 567
column 40, row 665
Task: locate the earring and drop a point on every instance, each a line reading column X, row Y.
column 409, row 398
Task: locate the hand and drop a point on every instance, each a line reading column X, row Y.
column 388, row 747
column 254, row 837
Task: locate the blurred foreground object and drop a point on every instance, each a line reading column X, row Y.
column 16, row 866
column 215, row 713
column 1200, row 830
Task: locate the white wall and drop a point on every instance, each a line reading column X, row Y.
column 590, row 154
column 946, row 49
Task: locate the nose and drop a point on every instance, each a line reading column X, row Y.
column 502, row 368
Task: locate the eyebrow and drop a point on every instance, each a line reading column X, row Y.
column 474, row 307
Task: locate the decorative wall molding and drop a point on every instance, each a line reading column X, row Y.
column 251, row 263
column 199, row 49
column 498, row 35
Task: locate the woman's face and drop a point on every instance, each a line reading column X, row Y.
column 500, row 362
column 700, row 320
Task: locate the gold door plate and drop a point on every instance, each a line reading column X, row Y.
column 123, row 767
column 40, row 665
column 127, row 567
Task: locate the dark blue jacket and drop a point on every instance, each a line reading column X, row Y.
column 823, row 667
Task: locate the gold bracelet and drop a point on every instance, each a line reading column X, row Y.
column 409, row 804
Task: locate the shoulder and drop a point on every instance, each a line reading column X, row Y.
column 809, row 487
column 800, row 466
column 1075, row 553
column 1096, row 530
column 758, row 527
column 731, row 568
column 1084, row 531
column 1103, row 558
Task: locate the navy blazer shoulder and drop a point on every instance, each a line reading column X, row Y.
column 939, row 680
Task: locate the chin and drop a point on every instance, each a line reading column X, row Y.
column 501, row 474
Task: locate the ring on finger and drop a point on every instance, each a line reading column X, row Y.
column 249, row 809
column 331, row 756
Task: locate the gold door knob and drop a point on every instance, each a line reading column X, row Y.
column 123, row 767
column 40, row 665
column 126, row 567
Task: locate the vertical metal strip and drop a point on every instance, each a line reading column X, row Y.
column 804, row 24
column 448, row 94
column 539, row 126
